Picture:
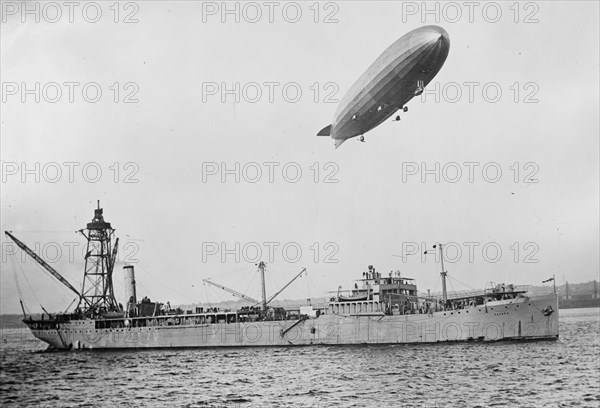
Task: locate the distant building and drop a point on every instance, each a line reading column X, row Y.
column 583, row 298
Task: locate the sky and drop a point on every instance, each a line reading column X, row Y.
column 194, row 124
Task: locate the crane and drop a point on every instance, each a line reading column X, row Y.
column 287, row 284
column 111, row 266
column 233, row 292
column 43, row 263
column 264, row 302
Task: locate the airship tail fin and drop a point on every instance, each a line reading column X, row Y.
column 326, row 131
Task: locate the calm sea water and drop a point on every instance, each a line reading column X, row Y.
column 565, row 373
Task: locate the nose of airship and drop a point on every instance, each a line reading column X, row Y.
column 436, row 34
column 436, row 41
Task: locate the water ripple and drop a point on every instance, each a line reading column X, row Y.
column 557, row 374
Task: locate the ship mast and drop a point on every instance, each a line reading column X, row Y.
column 443, row 273
column 261, row 267
column 98, row 292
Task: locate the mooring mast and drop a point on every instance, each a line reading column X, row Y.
column 97, row 291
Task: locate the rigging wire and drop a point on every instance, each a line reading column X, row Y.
column 308, row 292
column 463, row 284
column 20, row 267
column 250, row 284
column 222, row 275
column 239, row 283
column 437, row 282
column 14, row 269
column 305, row 294
column 28, row 283
column 276, row 284
column 206, row 293
column 268, row 283
column 312, row 282
column 70, row 304
column 52, row 278
column 279, row 287
column 309, row 283
column 146, row 270
column 211, row 299
column 451, row 285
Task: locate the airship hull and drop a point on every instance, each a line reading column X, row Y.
column 396, row 76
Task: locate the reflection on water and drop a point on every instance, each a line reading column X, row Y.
column 545, row 374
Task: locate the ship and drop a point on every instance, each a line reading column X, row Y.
column 380, row 309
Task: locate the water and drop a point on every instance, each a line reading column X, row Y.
column 565, row 373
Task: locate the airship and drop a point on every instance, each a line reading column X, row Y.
column 398, row 75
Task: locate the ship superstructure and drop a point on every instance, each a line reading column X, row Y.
column 379, row 309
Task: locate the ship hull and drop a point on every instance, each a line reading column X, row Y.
column 527, row 318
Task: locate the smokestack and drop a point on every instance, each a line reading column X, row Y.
column 129, row 284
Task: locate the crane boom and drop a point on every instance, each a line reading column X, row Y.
column 113, row 256
column 111, row 266
column 43, row 263
column 288, row 284
column 233, row 292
